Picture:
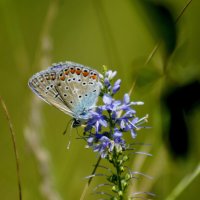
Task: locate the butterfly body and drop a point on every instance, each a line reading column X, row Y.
column 72, row 88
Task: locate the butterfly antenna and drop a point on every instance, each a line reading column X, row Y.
column 70, row 134
column 65, row 131
column 77, row 132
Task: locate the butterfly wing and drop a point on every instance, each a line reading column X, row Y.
column 70, row 87
column 43, row 84
column 79, row 87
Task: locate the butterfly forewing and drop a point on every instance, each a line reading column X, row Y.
column 43, row 84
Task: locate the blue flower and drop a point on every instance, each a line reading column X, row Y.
column 110, row 74
column 116, row 86
column 110, row 104
column 117, row 137
column 107, row 124
column 97, row 120
column 106, row 145
column 106, row 128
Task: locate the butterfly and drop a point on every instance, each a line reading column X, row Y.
column 71, row 87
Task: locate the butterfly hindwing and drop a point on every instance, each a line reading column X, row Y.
column 79, row 88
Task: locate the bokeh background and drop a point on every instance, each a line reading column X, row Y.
column 152, row 44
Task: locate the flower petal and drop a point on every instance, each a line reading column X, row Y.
column 126, row 99
column 103, row 122
column 115, row 89
column 117, row 134
column 106, row 82
column 107, row 99
column 133, row 134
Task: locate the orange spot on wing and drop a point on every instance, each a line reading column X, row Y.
column 72, row 70
column 78, row 71
column 85, row 73
column 62, row 78
column 94, row 76
column 66, row 72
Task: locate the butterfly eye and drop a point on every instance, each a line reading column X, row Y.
column 76, row 123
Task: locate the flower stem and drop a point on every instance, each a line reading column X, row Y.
column 118, row 171
column 117, row 178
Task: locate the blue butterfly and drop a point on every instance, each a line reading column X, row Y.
column 72, row 88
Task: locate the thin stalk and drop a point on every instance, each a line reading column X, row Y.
column 117, row 166
column 12, row 132
column 184, row 183
column 90, row 180
column 156, row 47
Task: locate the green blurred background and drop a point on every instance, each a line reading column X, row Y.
column 122, row 36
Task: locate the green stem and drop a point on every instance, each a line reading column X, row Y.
column 117, row 165
column 115, row 160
